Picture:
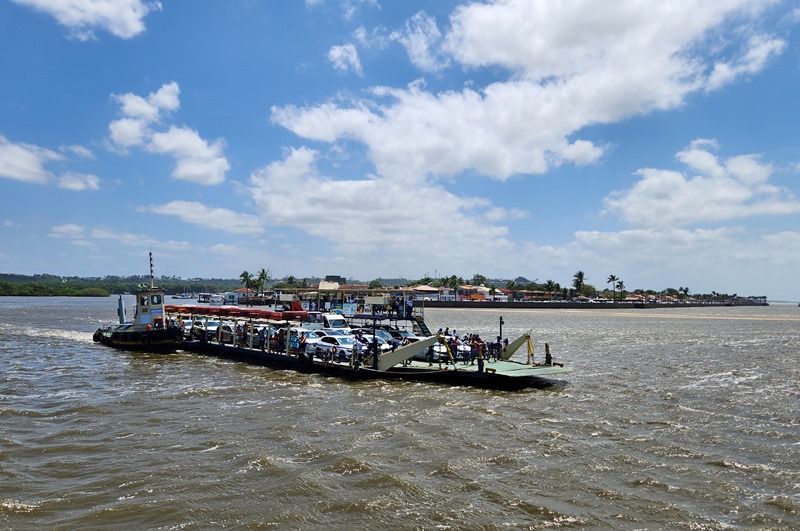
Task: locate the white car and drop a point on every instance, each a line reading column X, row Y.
column 341, row 347
column 207, row 330
column 384, row 345
column 187, row 329
column 230, row 332
column 337, row 332
column 311, row 336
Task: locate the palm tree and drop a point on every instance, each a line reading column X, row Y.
column 612, row 279
column 247, row 279
column 685, row 293
column 621, row 287
column 577, row 281
column 262, row 278
column 551, row 287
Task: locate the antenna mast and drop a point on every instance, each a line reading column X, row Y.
column 151, row 271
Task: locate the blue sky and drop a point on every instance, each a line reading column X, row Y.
column 371, row 138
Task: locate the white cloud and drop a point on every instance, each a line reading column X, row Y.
column 378, row 38
column 345, row 58
column 715, row 259
column 78, row 182
column 166, row 98
column 497, row 214
column 69, row 230
column 122, row 18
column 497, row 133
column 563, row 66
column 759, row 49
column 81, row 151
column 660, row 258
column 358, row 217
column 139, row 113
column 25, row 162
column 131, row 239
column 421, row 39
column 215, row 218
column 128, row 132
column 722, row 190
column 196, row 160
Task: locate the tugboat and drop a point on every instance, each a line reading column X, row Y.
column 149, row 331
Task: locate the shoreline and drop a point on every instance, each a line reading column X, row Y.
column 578, row 305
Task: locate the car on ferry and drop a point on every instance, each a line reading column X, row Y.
column 231, row 333
column 401, row 335
column 383, row 334
column 341, row 347
column 187, row 326
column 337, row 332
column 205, row 330
column 312, row 337
column 383, row 345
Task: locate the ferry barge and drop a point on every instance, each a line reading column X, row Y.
column 261, row 338
column 275, row 337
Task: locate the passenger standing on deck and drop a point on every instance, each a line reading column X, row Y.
column 409, row 308
column 355, row 357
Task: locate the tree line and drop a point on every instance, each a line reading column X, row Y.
column 57, row 286
column 53, row 285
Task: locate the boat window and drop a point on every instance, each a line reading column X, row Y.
column 156, row 299
column 143, row 301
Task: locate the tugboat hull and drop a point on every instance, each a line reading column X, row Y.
column 133, row 338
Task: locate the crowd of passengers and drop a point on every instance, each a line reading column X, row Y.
column 469, row 347
column 466, row 349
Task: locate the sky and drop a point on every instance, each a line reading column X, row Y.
column 655, row 141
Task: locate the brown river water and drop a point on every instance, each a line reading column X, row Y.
column 672, row 419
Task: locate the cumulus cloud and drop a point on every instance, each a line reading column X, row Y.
column 139, row 113
column 121, row 18
column 553, row 68
column 197, row 161
column 202, row 215
column 495, row 133
column 78, row 182
column 718, row 190
column 345, row 58
column 659, row 258
column 358, row 216
column 25, row 162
